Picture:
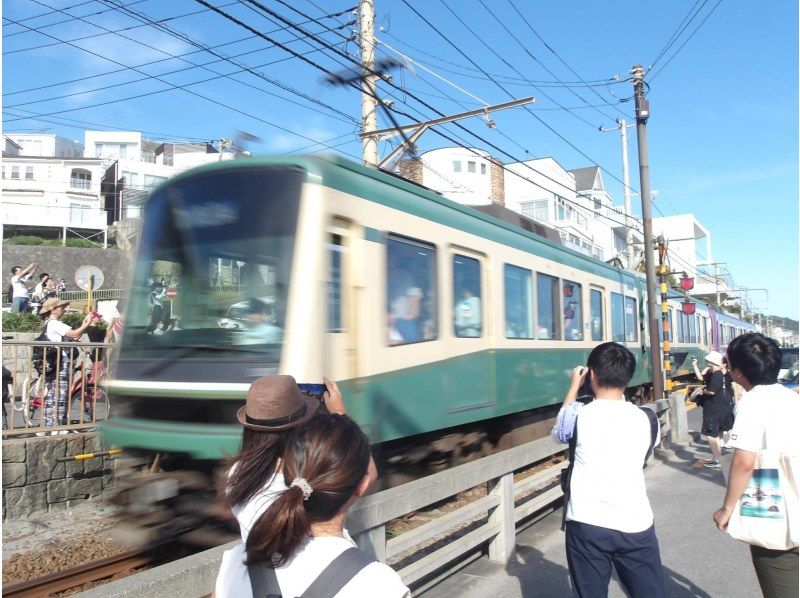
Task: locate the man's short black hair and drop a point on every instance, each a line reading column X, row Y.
column 43, row 275
column 14, row 269
column 613, row 365
column 757, row 357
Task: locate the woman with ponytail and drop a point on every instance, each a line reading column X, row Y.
column 275, row 406
column 299, row 545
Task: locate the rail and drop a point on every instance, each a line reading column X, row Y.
column 54, row 387
column 81, row 296
column 427, row 554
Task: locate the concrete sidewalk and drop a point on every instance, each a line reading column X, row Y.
column 698, row 559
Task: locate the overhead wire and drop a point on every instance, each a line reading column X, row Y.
column 50, row 12
column 676, row 33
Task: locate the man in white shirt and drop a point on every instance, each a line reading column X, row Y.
column 766, row 419
column 609, row 519
column 19, row 279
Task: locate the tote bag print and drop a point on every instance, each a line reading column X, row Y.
column 763, row 497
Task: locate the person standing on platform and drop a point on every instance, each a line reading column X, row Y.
column 716, row 405
column 766, row 419
column 609, row 521
column 19, row 289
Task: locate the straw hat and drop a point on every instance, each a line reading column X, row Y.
column 714, row 357
column 51, row 304
column 274, row 404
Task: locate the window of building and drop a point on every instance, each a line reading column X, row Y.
column 456, row 165
column 411, row 291
column 596, row 314
column 617, row 318
column 631, row 320
column 547, row 302
column 563, row 211
column 483, row 168
column 519, row 312
column 4, row 170
column 15, row 172
column 80, row 178
column 537, row 210
column 335, row 285
column 471, row 166
column 29, row 173
column 79, row 213
column 467, row 316
column 130, row 179
column 598, row 204
column 572, row 298
column 151, row 181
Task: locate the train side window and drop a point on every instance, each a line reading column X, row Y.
column 335, row 284
column 467, row 312
column 596, row 314
column 631, row 321
column 547, row 301
column 411, row 291
column 573, row 310
column 692, row 329
column 617, row 318
column 519, row 312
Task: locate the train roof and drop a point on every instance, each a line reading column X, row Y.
column 396, row 192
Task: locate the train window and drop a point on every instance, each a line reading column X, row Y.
column 411, row 291
column 335, row 285
column 617, row 318
column 692, row 329
column 573, row 310
column 518, row 298
column 547, row 300
column 631, row 327
column 596, row 314
column 467, row 320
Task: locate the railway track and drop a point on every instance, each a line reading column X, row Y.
column 67, row 579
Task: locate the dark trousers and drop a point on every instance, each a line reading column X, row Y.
column 776, row 571
column 592, row 550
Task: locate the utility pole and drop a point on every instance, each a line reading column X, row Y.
column 626, row 189
column 369, row 96
column 642, row 114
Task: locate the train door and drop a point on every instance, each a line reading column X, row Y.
column 469, row 380
column 340, row 345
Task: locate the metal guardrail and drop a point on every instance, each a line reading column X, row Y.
column 426, row 555
column 28, row 384
column 77, row 296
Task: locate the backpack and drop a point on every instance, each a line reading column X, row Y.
column 566, row 474
column 333, row 578
column 44, row 359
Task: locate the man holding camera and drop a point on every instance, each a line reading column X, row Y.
column 608, row 516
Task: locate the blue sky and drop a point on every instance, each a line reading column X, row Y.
column 722, row 135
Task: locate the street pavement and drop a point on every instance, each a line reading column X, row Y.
column 698, row 559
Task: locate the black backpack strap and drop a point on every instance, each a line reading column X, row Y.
column 336, row 575
column 573, row 443
column 263, row 581
column 653, row 419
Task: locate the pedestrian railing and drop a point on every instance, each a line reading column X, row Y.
column 82, row 296
column 54, row 387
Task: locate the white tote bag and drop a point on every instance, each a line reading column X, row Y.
column 768, row 512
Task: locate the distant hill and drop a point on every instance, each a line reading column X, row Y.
column 785, row 323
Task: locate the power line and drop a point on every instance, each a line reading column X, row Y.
column 693, row 12
column 50, row 12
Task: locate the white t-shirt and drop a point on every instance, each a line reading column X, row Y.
column 376, row 579
column 56, row 329
column 18, row 284
column 767, row 418
column 248, row 513
column 607, row 487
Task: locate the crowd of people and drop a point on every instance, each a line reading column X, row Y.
column 22, row 299
column 304, row 463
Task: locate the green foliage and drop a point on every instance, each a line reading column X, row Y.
column 85, row 243
column 24, row 240
column 21, row 322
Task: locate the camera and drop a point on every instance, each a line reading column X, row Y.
column 313, row 390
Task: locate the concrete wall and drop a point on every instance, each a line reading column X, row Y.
column 63, row 262
column 34, row 482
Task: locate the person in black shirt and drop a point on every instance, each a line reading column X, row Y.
column 716, row 405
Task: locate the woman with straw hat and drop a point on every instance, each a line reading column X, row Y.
column 57, row 380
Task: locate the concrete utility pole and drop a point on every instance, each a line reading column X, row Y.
column 626, row 189
column 369, row 96
column 642, row 114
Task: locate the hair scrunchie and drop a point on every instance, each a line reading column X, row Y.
column 304, row 486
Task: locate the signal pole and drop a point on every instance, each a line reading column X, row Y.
column 626, row 189
column 369, row 99
column 642, row 114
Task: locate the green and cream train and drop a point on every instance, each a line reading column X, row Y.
column 451, row 331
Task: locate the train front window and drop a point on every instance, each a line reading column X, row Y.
column 214, row 265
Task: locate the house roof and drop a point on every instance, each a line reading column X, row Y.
column 585, row 177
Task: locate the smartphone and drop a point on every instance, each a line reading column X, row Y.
column 313, row 390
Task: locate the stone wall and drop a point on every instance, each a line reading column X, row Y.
column 63, row 262
column 498, row 182
column 34, row 482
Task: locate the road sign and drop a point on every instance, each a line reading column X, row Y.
column 172, row 292
column 89, row 274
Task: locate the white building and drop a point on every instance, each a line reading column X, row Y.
column 113, row 145
column 46, row 145
column 42, row 193
column 463, row 175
